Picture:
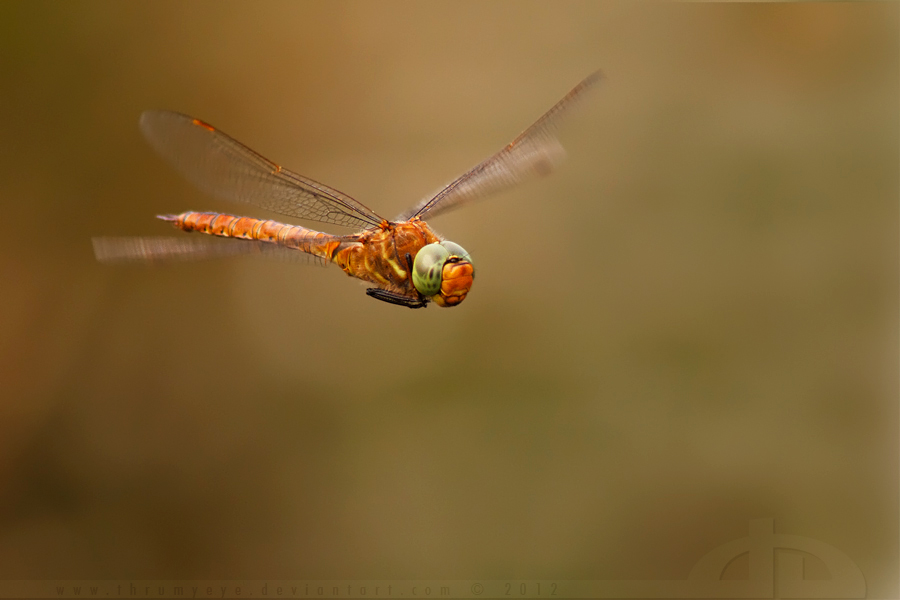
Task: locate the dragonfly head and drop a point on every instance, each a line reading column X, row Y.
column 443, row 272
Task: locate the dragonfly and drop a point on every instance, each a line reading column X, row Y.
column 405, row 260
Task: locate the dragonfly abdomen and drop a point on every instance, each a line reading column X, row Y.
column 248, row 228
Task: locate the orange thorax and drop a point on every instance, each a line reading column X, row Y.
column 380, row 255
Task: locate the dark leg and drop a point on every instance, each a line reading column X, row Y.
column 412, row 286
column 395, row 298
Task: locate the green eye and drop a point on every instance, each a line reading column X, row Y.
column 428, row 267
column 456, row 250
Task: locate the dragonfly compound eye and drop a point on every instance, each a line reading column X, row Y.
column 428, row 267
column 457, row 275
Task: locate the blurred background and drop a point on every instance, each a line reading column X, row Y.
column 691, row 324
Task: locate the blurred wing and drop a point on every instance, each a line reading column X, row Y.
column 535, row 152
column 222, row 166
column 155, row 250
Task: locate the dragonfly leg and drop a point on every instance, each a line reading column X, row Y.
column 409, row 264
column 395, row 298
column 409, row 267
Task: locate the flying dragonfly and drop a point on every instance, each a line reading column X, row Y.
column 405, row 260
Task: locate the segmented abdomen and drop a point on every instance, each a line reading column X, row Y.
column 248, row 228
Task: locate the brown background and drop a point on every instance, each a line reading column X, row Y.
column 691, row 324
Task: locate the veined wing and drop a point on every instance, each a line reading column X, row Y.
column 222, row 166
column 535, row 152
column 154, row 250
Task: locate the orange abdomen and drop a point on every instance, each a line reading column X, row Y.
column 248, row 228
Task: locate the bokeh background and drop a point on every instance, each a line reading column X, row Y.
column 691, row 324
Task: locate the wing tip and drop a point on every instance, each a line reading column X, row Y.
column 106, row 250
column 590, row 81
column 597, row 75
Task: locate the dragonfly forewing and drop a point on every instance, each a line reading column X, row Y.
column 536, row 151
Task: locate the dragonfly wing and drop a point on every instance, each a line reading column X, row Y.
column 154, row 250
column 222, row 166
column 536, row 151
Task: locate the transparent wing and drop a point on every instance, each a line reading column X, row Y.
column 155, row 250
column 535, row 152
column 222, row 166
